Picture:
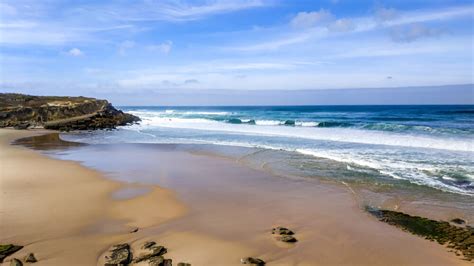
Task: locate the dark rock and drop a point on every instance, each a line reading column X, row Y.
column 16, row 262
column 282, row 231
column 148, row 244
column 23, row 125
column 458, row 238
column 134, row 230
column 60, row 113
column 30, row 258
column 458, row 221
column 155, row 252
column 7, row 250
column 156, row 261
column 289, row 122
column 184, row 264
column 168, row 262
column 118, row 255
column 286, row 238
column 252, row 261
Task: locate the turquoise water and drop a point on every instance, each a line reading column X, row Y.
column 429, row 146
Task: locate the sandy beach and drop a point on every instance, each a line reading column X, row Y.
column 206, row 210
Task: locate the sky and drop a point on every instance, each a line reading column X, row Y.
column 147, row 47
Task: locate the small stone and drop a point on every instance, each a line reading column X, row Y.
column 148, row 244
column 282, row 231
column 458, row 221
column 30, row 258
column 134, row 230
column 168, row 262
column 253, row 261
column 16, row 262
column 286, row 239
column 184, row 264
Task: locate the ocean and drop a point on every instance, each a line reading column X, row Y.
column 427, row 147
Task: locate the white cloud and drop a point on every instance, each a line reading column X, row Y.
column 75, row 52
column 311, row 19
column 164, row 47
column 124, row 46
column 342, row 25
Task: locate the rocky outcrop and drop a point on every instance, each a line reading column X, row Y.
column 458, row 238
column 60, row 113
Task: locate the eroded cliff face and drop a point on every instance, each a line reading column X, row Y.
column 60, row 113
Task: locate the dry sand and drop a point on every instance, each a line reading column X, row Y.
column 65, row 214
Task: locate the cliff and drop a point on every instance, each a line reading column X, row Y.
column 60, row 113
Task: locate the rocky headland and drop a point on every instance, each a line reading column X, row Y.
column 60, row 113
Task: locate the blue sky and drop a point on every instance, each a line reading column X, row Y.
column 125, row 47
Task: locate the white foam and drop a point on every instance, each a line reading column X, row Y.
column 267, row 128
column 268, row 122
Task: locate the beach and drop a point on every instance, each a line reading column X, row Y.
column 206, row 209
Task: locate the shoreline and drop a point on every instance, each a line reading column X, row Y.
column 324, row 231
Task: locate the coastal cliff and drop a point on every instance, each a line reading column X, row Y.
column 60, row 113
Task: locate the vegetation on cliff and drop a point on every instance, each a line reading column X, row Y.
column 60, row 113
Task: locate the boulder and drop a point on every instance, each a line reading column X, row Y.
column 252, row 261
column 118, row 255
column 30, row 258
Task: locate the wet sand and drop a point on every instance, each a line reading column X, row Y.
column 206, row 210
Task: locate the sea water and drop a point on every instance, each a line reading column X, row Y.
column 430, row 147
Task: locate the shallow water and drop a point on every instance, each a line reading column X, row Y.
column 425, row 146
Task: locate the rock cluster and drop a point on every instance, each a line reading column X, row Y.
column 60, row 113
column 151, row 253
column 284, row 234
column 460, row 239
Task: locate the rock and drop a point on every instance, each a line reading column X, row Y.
column 7, row 250
column 168, row 262
column 16, row 262
column 253, row 261
column 286, row 238
column 156, row 261
column 458, row 221
column 148, row 244
column 155, row 252
column 30, row 258
column 118, row 255
column 184, row 264
column 461, row 239
column 134, row 230
column 60, row 113
column 282, row 231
